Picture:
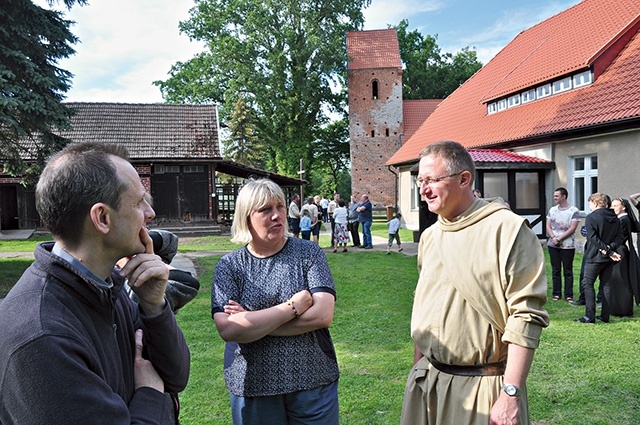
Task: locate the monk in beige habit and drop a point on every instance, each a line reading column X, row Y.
column 478, row 309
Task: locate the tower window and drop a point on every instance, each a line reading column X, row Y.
column 387, row 132
column 373, row 134
column 374, row 89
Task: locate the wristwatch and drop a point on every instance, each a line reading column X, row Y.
column 512, row 390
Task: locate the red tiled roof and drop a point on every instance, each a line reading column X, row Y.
column 149, row 131
column 614, row 96
column 414, row 112
column 373, row 49
column 499, row 155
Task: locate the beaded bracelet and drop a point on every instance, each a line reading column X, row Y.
column 293, row 307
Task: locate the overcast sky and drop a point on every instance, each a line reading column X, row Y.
column 125, row 45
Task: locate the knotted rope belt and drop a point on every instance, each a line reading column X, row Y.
column 491, row 369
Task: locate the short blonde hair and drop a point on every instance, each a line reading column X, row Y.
column 254, row 195
column 600, row 199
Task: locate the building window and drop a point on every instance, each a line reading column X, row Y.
column 166, row 169
column 374, row 89
column 528, row 96
column 502, row 104
column 582, row 79
column 584, row 177
column 492, row 108
column 386, row 132
column 193, row 168
column 514, row 100
column 527, row 190
column 496, row 184
column 373, row 133
column 562, row 85
column 543, row 91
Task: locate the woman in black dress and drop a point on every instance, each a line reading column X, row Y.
column 625, row 279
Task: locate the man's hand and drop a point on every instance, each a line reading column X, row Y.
column 505, row 410
column 145, row 375
column 147, row 276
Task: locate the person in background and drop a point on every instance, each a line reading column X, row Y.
column 604, row 237
column 306, row 225
column 312, row 207
column 273, row 301
column 481, row 271
column 365, row 217
column 341, row 232
column 353, row 221
column 562, row 222
column 394, row 233
column 294, row 216
column 323, row 205
column 477, row 193
column 333, row 204
column 634, row 200
column 625, row 278
column 72, row 342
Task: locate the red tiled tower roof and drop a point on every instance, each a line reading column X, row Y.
column 373, row 49
column 601, row 34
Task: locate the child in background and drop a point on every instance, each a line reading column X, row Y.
column 305, row 225
column 394, row 226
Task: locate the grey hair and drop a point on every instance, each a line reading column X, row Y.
column 457, row 159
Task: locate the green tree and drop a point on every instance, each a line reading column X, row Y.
column 285, row 58
column 429, row 73
column 32, row 87
column 242, row 145
column 332, row 155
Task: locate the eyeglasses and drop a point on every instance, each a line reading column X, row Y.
column 429, row 181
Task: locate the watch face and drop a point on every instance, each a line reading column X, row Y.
column 510, row 389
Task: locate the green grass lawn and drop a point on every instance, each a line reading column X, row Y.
column 581, row 374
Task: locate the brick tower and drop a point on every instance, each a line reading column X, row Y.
column 375, row 111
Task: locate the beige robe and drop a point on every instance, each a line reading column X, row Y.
column 482, row 286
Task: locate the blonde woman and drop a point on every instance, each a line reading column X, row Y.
column 272, row 301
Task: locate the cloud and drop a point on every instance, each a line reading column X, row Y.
column 124, row 46
column 381, row 13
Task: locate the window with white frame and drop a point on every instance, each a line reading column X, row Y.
column 492, row 108
column 584, row 178
column 543, row 91
column 562, row 85
column 514, row 100
column 528, row 96
column 582, row 79
column 502, row 104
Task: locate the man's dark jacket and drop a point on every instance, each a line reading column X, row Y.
column 67, row 349
column 603, row 232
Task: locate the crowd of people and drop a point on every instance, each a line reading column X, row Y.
column 609, row 255
column 345, row 219
column 90, row 335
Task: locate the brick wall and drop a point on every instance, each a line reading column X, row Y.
column 375, row 125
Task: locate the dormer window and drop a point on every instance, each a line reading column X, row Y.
column 528, row 96
column 582, row 79
column 561, row 85
column 513, row 100
column 543, row 91
column 374, row 89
